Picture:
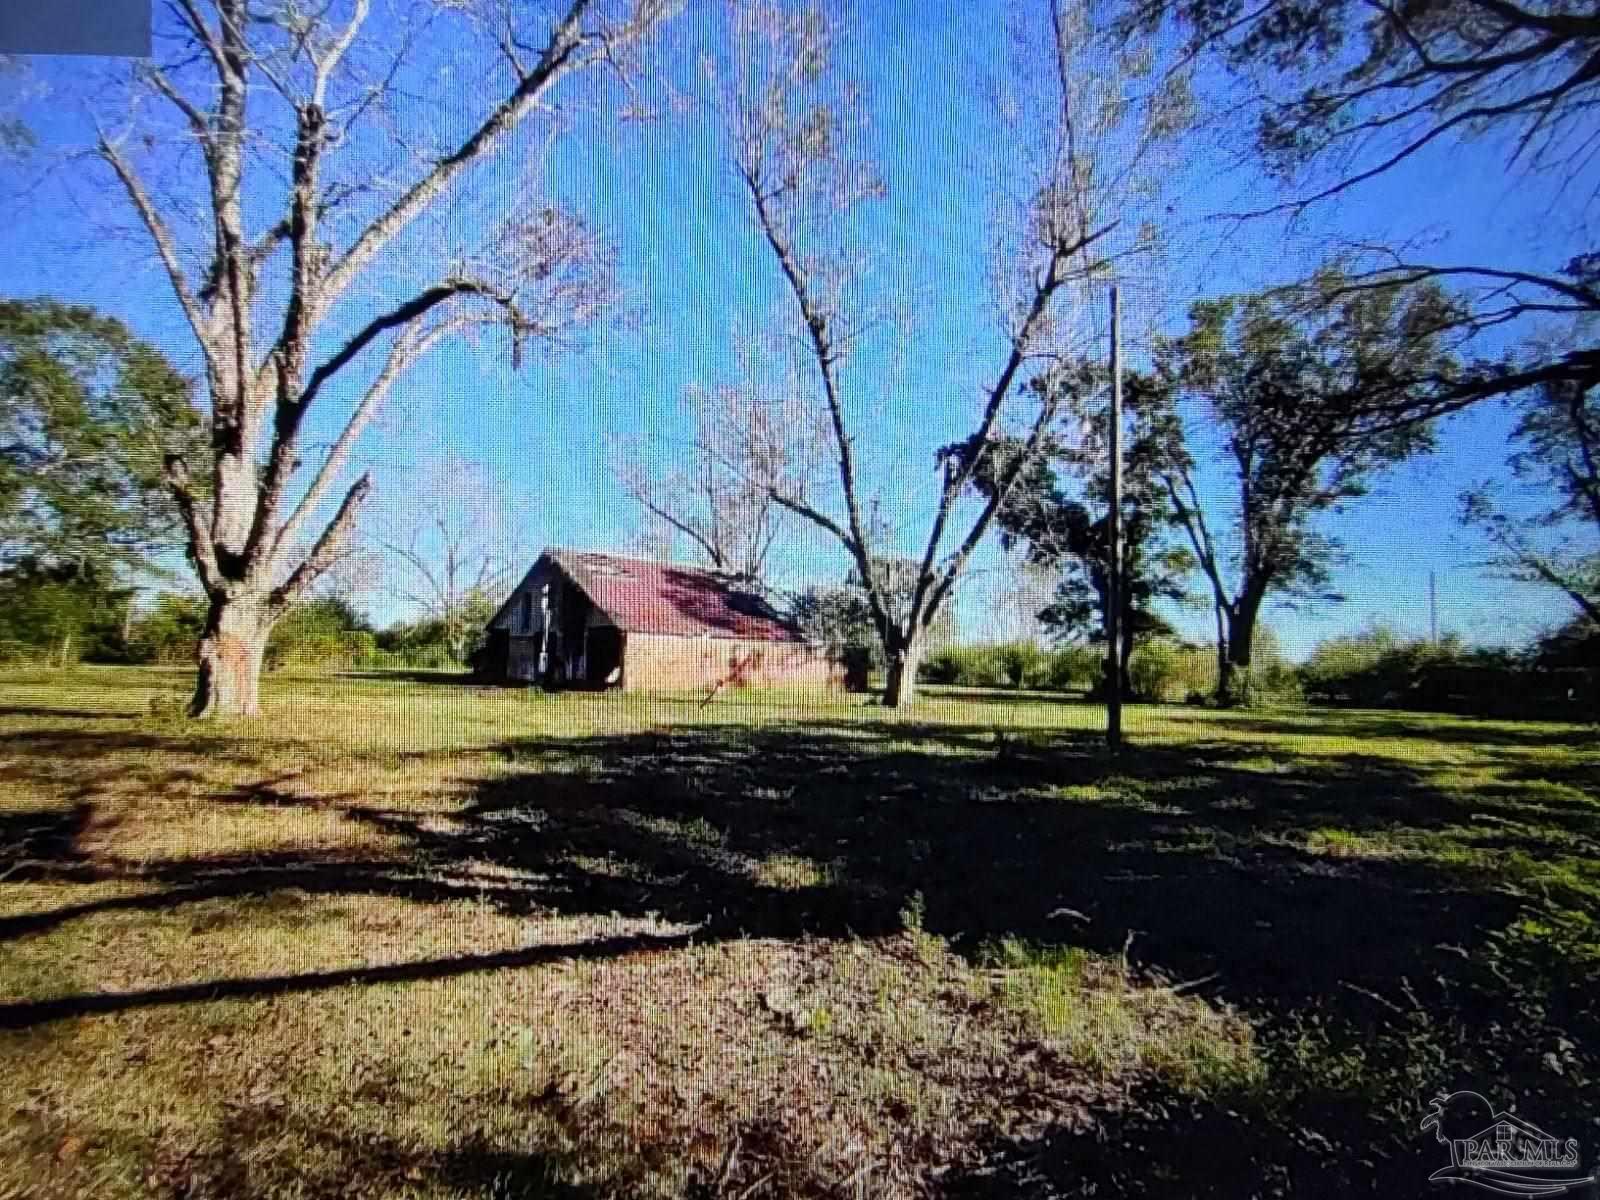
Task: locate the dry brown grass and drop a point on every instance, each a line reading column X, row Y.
column 751, row 1066
column 412, row 940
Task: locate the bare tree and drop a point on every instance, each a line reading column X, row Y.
column 719, row 497
column 788, row 121
column 301, row 256
column 454, row 557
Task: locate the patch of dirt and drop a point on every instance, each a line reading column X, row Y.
column 768, row 1068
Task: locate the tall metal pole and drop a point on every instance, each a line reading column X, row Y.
column 1114, row 541
column 1433, row 610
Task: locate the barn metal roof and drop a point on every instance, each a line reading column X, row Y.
column 643, row 596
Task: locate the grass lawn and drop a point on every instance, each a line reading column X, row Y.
column 404, row 937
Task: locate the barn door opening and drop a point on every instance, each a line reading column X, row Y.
column 604, row 655
column 493, row 660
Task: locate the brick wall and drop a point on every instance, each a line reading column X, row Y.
column 655, row 663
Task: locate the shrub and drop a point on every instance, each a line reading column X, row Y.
column 967, row 666
column 1167, row 672
column 1073, row 667
column 334, row 651
column 433, row 657
column 1022, row 663
column 59, row 614
column 167, row 631
column 1376, row 669
column 325, row 634
column 1017, row 664
column 16, row 653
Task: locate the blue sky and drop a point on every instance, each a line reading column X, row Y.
column 696, row 277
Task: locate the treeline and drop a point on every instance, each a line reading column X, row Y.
column 1160, row 670
column 1555, row 677
column 60, row 617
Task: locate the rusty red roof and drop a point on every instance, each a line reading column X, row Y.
column 642, row 596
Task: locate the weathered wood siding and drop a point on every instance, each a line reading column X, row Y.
column 522, row 659
column 658, row 663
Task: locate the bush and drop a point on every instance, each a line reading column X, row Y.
column 1001, row 664
column 1167, row 672
column 1376, row 669
column 1073, row 668
column 166, row 633
column 967, row 666
column 1021, row 663
column 59, row 614
column 16, row 653
column 435, row 657
column 325, row 634
column 339, row 650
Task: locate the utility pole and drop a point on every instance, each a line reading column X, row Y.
column 1114, row 541
column 1433, row 609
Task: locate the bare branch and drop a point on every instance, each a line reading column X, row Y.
column 554, row 62
column 195, row 525
column 328, row 548
column 405, row 351
column 165, row 246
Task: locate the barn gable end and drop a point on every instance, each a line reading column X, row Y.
column 585, row 618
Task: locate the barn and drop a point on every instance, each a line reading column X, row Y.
column 584, row 619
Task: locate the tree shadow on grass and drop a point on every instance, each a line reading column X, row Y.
column 43, row 843
column 1191, row 860
column 1199, row 864
column 24, row 1014
column 1203, row 863
column 67, row 714
column 459, row 679
column 1362, row 724
column 1372, row 975
column 334, row 1157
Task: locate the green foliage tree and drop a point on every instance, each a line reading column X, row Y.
column 1057, row 508
column 1315, row 392
column 440, row 642
column 168, row 630
column 1370, row 85
column 1575, row 645
column 61, row 612
column 1557, row 462
column 1347, row 90
column 316, row 632
column 836, row 616
column 87, row 414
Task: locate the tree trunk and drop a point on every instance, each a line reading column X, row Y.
column 230, row 653
column 1222, row 647
column 1233, row 687
column 901, row 689
column 1124, row 658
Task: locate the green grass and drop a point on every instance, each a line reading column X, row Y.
column 416, row 938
